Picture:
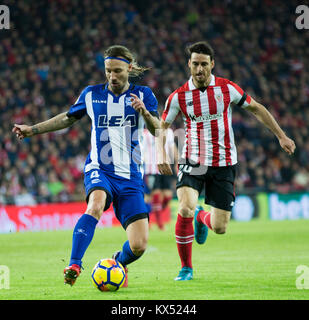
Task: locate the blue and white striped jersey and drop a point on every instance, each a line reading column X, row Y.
column 117, row 129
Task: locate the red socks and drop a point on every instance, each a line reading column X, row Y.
column 184, row 233
column 157, row 209
column 204, row 217
column 184, row 237
column 156, row 202
column 166, row 200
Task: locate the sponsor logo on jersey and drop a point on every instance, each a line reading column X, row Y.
column 207, row 117
column 116, row 121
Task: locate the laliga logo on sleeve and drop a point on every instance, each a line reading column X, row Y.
column 4, row 17
column 302, row 21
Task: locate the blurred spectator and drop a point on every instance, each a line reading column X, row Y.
column 301, row 179
column 55, row 48
column 24, row 198
column 54, row 185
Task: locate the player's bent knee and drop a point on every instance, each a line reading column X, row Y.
column 188, row 198
column 96, row 204
column 139, row 249
column 220, row 220
column 186, row 211
column 219, row 230
column 139, row 246
column 95, row 209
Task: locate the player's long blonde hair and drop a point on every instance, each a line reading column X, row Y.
column 122, row 51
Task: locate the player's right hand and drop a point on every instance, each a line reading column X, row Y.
column 22, row 131
column 165, row 168
column 287, row 144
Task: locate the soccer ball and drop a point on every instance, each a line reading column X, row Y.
column 108, row 275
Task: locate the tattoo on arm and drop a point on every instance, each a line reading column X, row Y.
column 152, row 123
column 58, row 122
column 35, row 130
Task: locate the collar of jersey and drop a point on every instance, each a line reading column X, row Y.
column 193, row 87
column 117, row 97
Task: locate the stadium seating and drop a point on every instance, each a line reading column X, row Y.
column 54, row 50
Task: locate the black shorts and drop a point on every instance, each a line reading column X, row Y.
column 217, row 181
column 157, row 181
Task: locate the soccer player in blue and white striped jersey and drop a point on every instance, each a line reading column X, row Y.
column 118, row 111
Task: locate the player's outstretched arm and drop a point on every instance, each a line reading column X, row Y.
column 58, row 122
column 264, row 116
column 162, row 157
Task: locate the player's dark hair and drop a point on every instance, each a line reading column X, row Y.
column 202, row 47
column 124, row 52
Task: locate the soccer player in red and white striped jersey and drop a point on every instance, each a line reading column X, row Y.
column 209, row 155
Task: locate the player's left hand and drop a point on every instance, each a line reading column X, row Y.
column 287, row 144
column 138, row 105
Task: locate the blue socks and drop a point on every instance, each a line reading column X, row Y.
column 82, row 236
column 126, row 256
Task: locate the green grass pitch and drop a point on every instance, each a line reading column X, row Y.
column 253, row 260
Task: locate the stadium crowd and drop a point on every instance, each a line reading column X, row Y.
column 55, row 48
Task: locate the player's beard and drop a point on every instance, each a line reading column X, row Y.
column 202, row 79
column 118, row 87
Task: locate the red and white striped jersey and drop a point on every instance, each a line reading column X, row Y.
column 149, row 150
column 207, row 115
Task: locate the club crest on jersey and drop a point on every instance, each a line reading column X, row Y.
column 128, row 101
column 116, row 121
column 219, row 98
